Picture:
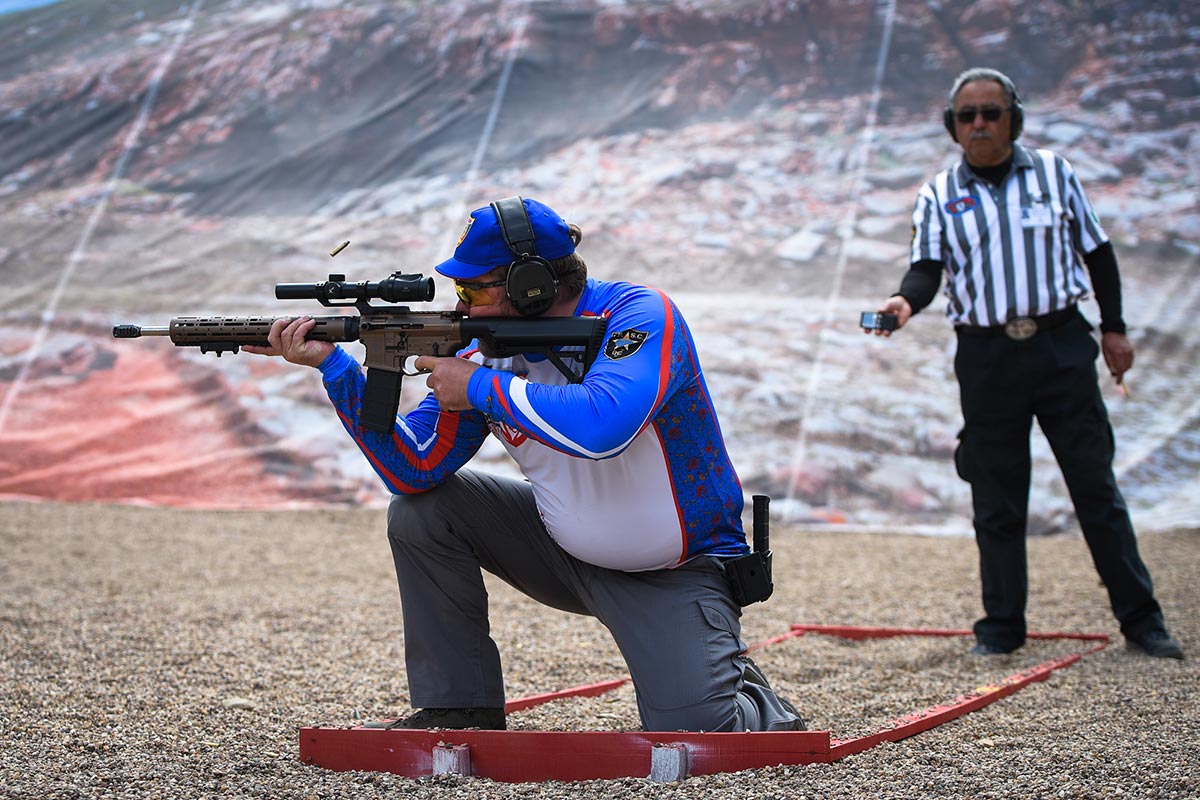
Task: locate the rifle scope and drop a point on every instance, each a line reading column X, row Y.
column 396, row 288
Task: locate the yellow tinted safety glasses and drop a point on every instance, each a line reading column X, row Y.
column 473, row 294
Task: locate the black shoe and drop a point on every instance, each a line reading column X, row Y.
column 1156, row 643
column 487, row 719
column 989, row 649
column 754, row 675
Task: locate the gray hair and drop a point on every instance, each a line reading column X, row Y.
column 984, row 74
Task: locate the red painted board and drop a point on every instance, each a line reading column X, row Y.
column 521, row 756
column 1086, row 637
column 587, row 690
column 915, row 723
column 869, row 632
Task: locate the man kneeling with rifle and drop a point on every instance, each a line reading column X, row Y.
column 631, row 511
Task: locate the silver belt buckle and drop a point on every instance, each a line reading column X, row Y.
column 1020, row 328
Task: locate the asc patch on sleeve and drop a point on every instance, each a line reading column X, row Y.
column 624, row 343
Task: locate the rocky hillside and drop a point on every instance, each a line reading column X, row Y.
column 281, row 107
column 758, row 160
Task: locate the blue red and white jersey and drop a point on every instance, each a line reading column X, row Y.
column 628, row 467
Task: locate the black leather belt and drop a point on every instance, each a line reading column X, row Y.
column 1021, row 328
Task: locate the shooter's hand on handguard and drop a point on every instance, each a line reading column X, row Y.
column 288, row 339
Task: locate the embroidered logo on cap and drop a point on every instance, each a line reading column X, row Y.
column 466, row 229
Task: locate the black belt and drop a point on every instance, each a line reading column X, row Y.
column 1021, row 328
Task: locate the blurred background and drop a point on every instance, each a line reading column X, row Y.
column 758, row 161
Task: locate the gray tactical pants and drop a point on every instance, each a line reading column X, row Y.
column 678, row 629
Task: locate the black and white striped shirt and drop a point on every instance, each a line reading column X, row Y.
column 1011, row 250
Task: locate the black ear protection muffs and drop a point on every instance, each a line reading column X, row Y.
column 1015, row 108
column 531, row 285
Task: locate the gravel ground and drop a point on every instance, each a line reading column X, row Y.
column 159, row 653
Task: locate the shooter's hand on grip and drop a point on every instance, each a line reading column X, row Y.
column 448, row 380
column 288, row 339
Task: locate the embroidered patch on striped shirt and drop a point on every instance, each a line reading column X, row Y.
column 961, row 205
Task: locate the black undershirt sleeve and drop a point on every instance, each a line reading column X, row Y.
column 1106, row 285
column 920, row 284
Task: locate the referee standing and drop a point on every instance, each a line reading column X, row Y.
column 1012, row 230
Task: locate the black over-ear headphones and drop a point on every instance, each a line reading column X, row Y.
column 531, row 285
column 1017, row 121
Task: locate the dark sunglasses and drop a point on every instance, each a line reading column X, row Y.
column 966, row 116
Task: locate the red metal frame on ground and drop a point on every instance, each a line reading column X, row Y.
column 523, row 756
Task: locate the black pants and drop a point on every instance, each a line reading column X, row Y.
column 1003, row 385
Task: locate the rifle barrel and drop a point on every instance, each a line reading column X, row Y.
column 137, row 331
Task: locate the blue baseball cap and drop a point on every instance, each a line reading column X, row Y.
column 481, row 246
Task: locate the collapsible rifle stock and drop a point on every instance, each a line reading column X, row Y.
column 392, row 334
